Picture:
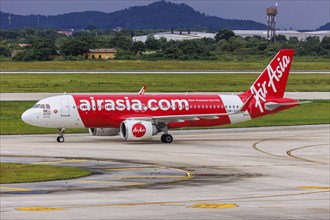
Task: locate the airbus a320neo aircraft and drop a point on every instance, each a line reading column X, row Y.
column 141, row 116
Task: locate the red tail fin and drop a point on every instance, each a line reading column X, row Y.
column 272, row 81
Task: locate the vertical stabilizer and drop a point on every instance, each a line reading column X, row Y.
column 272, row 81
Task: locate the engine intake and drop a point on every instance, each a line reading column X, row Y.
column 137, row 130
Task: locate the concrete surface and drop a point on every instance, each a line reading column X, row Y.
column 250, row 173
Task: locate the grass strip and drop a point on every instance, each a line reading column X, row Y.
column 255, row 64
column 156, row 82
column 22, row 173
column 317, row 112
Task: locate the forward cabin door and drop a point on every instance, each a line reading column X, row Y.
column 65, row 107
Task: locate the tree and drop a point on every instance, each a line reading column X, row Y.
column 25, row 55
column 224, row 45
column 78, row 45
column 237, row 43
column 4, row 49
column 325, row 44
column 43, row 49
column 138, row 47
column 152, row 43
column 224, row 34
column 293, row 41
column 74, row 47
column 122, row 41
column 281, row 38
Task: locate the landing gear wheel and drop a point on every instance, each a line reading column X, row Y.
column 60, row 139
column 166, row 138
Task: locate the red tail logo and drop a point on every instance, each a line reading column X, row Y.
column 138, row 130
column 272, row 81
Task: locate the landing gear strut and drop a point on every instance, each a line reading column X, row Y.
column 166, row 138
column 60, row 138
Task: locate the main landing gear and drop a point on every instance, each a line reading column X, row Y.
column 166, row 138
column 60, row 138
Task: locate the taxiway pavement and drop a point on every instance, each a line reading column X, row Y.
column 249, row 173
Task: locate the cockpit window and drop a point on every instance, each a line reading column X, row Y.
column 42, row 106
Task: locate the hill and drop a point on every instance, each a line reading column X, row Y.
column 325, row 27
column 157, row 15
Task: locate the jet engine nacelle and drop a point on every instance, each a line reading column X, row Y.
column 137, row 130
column 104, row 131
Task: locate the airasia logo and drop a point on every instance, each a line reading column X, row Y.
column 261, row 89
column 138, row 130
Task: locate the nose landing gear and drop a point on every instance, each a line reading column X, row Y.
column 60, row 138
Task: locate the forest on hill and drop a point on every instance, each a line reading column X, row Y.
column 157, row 15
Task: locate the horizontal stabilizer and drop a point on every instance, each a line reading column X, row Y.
column 274, row 105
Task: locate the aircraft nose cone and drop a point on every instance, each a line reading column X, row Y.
column 27, row 116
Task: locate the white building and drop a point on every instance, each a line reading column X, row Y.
column 287, row 34
column 243, row 33
column 176, row 36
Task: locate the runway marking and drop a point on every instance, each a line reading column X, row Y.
column 144, row 176
column 132, row 168
column 264, row 152
column 214, row 206
column 289, row 153
column 315, row 187
column 300, row 158
column 15, row 189
column 39, row 209
column 188, row 175
column 182, row 202
column 60, row 161
column 124, row 204
column 112, row 181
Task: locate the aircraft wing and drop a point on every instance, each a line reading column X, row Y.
column 182, row 118
column 192, row 117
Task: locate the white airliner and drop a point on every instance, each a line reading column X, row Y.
column 141, row 116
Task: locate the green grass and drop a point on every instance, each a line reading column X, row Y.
column 317, row 112
column 156, row 82
column 21, row 173
column 258, row 64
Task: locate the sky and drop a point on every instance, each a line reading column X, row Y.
column 295, row 14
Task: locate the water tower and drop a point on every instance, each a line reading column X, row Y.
column 271, row 21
